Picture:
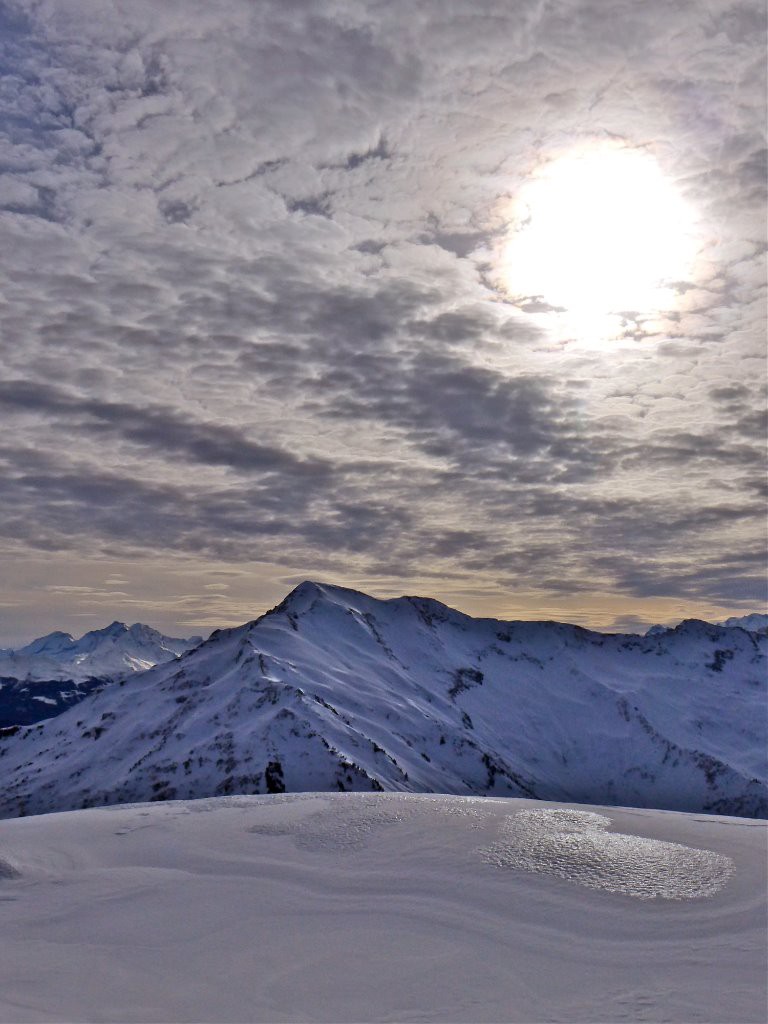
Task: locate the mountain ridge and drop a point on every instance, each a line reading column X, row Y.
column 332, row 689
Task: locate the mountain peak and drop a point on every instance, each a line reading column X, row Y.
column 697, row 627
column 309, row 592
column 297, row 600
column 50, row 643
column 140, row 630
column 756, row 622
column 308, row 588
column 116, row 627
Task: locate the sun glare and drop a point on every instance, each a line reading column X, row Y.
column 597, row 235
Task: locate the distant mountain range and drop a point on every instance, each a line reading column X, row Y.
column 756, row 623
column 56, row 671
column 116, row 650
column 335, row 690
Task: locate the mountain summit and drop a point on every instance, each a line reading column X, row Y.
column 335, row 690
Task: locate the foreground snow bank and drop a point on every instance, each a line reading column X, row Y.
column 373, row 907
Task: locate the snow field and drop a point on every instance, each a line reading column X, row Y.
column 380, row 907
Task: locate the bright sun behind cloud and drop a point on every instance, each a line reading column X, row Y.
column 597, row 234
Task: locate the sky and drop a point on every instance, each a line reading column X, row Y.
column 363, row 292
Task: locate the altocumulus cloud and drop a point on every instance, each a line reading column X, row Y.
column 249, row 310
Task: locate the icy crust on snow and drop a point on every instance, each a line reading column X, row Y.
column 576, row 846
column 323, row 828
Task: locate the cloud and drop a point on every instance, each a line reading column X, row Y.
column 162, row 430
column 250, row 310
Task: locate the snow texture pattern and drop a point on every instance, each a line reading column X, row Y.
column 576, row 845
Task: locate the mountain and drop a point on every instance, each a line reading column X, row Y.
column 334, row 690
column 116, row 650
column 52, row 673
column 382, row 907
column 756, row 622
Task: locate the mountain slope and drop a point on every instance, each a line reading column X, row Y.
column 336, row 690
column 24, row 702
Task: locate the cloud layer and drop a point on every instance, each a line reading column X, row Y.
column 250, row 313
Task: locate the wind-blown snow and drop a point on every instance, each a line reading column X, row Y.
column 336, row 690
column 576, row 845
column 375, row 907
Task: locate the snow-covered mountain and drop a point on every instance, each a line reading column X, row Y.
column 756, row 622
column 114, row 651
column 54, row 672
column 334, row 690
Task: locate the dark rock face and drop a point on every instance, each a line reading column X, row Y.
column 24, row 703
column 273, row 777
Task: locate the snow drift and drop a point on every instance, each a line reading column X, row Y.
column 374, row 907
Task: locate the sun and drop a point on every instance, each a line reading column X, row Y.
column 597, row 235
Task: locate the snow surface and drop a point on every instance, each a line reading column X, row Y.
column 381, row 907
column 336, row 690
